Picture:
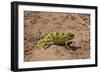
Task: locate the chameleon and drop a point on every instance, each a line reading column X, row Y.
column 57, row 38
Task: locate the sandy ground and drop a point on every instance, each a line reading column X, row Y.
column 37, row 24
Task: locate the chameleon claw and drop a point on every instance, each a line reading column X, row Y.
column 71, row 52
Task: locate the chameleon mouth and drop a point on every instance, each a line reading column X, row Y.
column 71, row 36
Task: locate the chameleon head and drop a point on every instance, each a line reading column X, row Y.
column 70, row 36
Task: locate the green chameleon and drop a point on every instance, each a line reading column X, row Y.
column 57, row 38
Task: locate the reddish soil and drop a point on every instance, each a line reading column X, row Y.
column 37, row 24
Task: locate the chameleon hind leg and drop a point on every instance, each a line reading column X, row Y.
column 67, row 45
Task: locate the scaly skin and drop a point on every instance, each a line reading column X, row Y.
column 58, row 38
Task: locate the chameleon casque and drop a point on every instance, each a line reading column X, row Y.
column 57, row 38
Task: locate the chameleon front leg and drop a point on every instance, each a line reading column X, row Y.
column 67, row 46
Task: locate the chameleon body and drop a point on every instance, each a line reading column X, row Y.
column 58, row 38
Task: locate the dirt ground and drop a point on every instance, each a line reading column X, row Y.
column 37, row 24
